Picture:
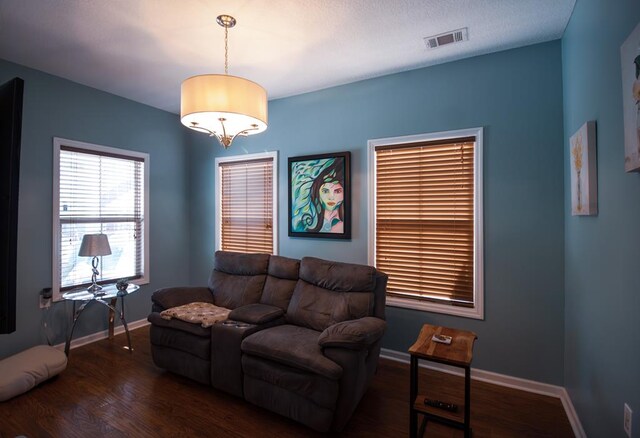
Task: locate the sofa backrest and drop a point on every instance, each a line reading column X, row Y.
column 282, row 276
column 238, row 279
column 380, row 295
column 329, row 292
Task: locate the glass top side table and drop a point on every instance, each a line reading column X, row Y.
column 109, row 298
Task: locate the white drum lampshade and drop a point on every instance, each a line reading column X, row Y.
column 224, row 106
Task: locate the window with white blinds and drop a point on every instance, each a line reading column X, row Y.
column 246, row 204
column 427, row 212
column 99, row 190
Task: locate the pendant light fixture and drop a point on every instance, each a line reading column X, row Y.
column 223, row 106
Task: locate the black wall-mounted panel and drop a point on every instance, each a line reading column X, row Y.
column 10, row 132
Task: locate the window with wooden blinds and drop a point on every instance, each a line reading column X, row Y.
column 246, row 193
column 98, row 190
column 426, row 219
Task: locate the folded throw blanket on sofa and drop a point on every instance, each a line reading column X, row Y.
column 205, row 314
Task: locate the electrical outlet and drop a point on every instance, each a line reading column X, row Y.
column 44, row 302
column 628, row 415
column 45, row 297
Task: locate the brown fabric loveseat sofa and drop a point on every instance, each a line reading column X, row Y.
column 302, row 340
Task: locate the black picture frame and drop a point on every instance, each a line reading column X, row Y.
column 319, row 199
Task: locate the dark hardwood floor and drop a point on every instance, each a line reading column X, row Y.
column 107, row 391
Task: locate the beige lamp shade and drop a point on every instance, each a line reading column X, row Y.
column 94, row 245
column 223, row 105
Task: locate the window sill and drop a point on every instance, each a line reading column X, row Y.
column 426, row 306
column 140, row 281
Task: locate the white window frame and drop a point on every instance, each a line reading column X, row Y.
column 55, row 258
column 477, row 311
column 237, row 159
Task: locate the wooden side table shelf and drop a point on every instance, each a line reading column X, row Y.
column 458, row 354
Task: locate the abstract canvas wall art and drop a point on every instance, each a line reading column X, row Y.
column 320, row 196
column 630, row 59
column 584, row 178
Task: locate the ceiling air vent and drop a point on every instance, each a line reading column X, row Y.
column 455, row 36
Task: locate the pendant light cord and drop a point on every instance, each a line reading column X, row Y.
column 226, row 50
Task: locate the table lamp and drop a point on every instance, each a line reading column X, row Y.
column 94, row 245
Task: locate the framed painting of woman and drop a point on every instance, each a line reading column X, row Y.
column 320, row 196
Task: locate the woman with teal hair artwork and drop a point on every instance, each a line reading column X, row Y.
column 318, row 194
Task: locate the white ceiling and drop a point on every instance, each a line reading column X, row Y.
column 144, row 49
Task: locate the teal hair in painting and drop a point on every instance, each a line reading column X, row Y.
column 307, row 178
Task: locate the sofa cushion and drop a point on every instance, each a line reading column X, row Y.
column 283, row 267
column 175, row 324
column 238, row 279
column 293, row 346
column 281, row 280
column 337, row 276
column 277, row 292
column 311, row 386
column 318, row 308
column 182, row 363
column 331, row 292
column 199, row 346
column 232, row 291
column 355, row 335
column 256, row 313
column 380, row 294
column 289, row 404
column 177, row 296
column 236, row 263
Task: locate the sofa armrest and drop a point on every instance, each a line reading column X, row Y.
column 256, row 313
column 177, row 296
column 356, row 334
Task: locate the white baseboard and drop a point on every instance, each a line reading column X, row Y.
column 104, row 334
column 502, row 380
column 576, row 425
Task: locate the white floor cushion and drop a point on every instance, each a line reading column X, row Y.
column 21, row 372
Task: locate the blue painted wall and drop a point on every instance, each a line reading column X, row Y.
column 55, row 107
column 516, row 96
column 602, row 293
column 546, row 272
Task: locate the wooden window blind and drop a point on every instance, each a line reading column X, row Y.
column 247, row 206
column 425, row 220
column 100, row 193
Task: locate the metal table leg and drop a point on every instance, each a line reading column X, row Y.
column 124, row 322
column 467, row 402
column 112, row 311
column 121, row 314
column 112, row 317
column 76, row 315
column 413, row 392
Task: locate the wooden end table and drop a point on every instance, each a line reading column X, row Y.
column 458, row 354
